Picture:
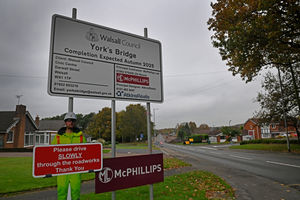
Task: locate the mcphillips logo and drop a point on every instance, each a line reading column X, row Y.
column 132, row 79
column 106, row 175
column 92, row 36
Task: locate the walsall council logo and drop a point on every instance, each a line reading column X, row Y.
column 106, row 175
column 92, row 36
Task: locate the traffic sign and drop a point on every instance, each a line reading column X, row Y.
column 55, row 160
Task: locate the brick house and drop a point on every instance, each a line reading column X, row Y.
column 254, row 129
column 47, row 129
column 17, row 128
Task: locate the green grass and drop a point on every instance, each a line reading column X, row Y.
column 16, row 174
column 106, row 150
column 191, row 186
column 269, row 147
column 134, row 145
column 171, row 163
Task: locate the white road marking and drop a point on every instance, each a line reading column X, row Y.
column 209, row 148
column 215, row 152
column 241, row 157
column 284, row 164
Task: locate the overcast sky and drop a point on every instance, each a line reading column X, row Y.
column 197, row 85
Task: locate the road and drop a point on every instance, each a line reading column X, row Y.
column 254, row 174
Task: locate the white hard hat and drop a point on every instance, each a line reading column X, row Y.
column 70, row 115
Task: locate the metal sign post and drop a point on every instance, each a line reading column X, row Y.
column 113, row 136
column 149, row 129
column 71, row 100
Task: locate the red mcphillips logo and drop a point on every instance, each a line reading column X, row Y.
column 132, row 79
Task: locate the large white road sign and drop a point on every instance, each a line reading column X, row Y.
column 92, row 61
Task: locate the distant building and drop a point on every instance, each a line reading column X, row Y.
column 17, row 128
column 256, row 130
column 47, row 129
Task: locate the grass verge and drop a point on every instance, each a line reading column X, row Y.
column 16, row 174
column 269, row 147
column 134, row 145
column 191, row 186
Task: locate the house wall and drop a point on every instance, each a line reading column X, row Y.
column 10, row 145
column 250, row 125
column 25, row 124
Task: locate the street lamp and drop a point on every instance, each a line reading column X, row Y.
column 154, row 119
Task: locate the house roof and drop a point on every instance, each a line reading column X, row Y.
column 7, row 120
column 254, row 120
column 51, row 125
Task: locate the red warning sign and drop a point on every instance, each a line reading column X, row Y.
column 54, row 160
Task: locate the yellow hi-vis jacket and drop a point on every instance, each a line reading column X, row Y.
column 74, row 179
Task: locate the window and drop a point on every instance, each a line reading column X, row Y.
column 42, row 139
column 37, row 139
column 28, row 139
column 265, row 130
column 10, row 137
column 47, row 139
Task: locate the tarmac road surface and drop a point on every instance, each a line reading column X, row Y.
column 254, row 174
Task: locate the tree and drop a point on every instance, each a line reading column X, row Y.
column 84, row 120
column 133, row 122
column 273, row 104
column 100, row 125
column 252, row 35
column 230, row 132
column 192, row 126
column 204, row 127
column 183, row 131
column 255, row 34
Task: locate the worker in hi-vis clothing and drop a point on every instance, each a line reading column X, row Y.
column 69, row 134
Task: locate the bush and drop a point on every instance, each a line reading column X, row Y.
column 268, row 141
column 199, row 138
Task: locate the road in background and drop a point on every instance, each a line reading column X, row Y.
column 254, row 174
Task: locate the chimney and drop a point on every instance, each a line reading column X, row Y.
column 37, row 121
column 20, row 110
column 20, row 127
